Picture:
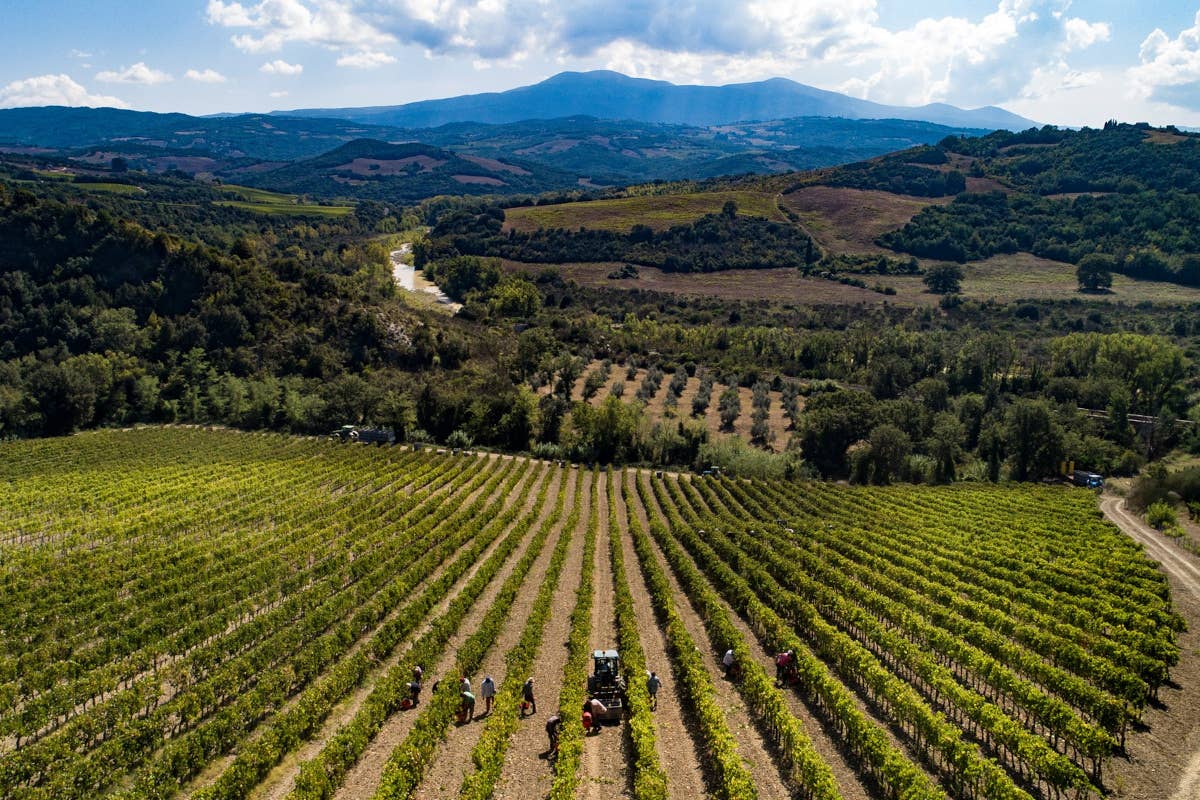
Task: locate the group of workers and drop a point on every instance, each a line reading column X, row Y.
column 593, row 712
column 593, row 708
column 466, row 706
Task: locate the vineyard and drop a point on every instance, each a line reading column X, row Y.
column 211, row 614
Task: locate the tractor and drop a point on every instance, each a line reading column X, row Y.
column 606, row 684
column 352, row 433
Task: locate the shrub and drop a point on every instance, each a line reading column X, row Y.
column 1161, row 515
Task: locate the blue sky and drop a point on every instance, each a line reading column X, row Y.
column 1069, row 62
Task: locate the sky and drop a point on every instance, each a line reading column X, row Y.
column 1065, row 62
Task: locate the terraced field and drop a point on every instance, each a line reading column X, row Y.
column 212, row 614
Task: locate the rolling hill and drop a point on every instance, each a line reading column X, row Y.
column 371, row 169
column 611, row 95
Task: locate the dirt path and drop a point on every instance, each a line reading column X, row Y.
column 452, row 759
column 753, row 748
column 1164, row 753
column 604, row 770
column 527, row 774
column 681, row 757
column 281, row 780
column 363, row 778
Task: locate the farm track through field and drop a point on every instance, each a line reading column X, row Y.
column 753, row 748
column 363, row 778
column 681, row 755
column 1164, row 760
column 452, row 760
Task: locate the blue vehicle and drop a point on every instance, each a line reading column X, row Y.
column 1091, row 480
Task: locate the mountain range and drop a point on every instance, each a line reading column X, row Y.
column 611, row 95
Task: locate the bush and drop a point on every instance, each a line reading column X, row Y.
column 1161, row 515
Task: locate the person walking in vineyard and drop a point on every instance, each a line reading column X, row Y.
column 653, row 683
column 727, row 663
column 553, row 726
column 418, row 674
column 487, row 690
column 527, row 694
column 464, row 685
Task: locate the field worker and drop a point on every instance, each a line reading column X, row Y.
column 652, row 686
column 464, row 685
column 727, row 662
column 553, row 725
column 598, row 710
column 466, row 711
column 414, row 692
column 781, row 660
column 487, row 690
column 527, row 695
column 418, row 674
column 587, row 722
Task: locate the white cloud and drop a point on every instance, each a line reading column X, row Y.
column 998, row 56
column 79, row 54
column 281, row 67
column 280, row 93
column 330, row 23
column 136, row 73
column 53, row 90
column 1170, row 68
column 366, row 59
column 205, row 76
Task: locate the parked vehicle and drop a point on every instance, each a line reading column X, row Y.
column 1091, row 480
column 353, row 433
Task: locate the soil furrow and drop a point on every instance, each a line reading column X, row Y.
column 452, row 759
column 363, row 778
column 281, row 780
column 527, row 772
column 753, row 748
column 682, row 758
column 604, row 770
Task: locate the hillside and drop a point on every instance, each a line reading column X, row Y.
column 370, row 169
column 593, row 151
column 611, row 95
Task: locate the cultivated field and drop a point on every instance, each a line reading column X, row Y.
column 222, row 615
column 657, row 211
column 264, row 202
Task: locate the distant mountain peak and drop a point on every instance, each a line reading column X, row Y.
column 614, row 96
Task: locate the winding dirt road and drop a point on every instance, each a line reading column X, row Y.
column 1164, row 757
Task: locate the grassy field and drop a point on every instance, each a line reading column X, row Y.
column 849, row 220
column 264, row 202
column 111, row 188
column 659, row 212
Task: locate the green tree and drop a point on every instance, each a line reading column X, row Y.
column 890, row 446
column 1033, row 439
column 1094, row 272
column 729, row 406
column 945, row 445
column 944, row 278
